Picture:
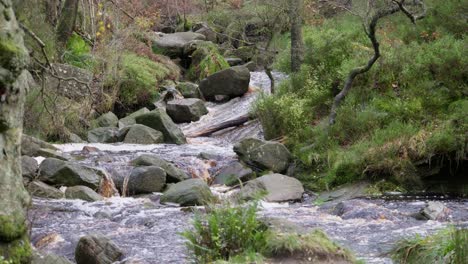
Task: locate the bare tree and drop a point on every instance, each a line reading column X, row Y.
column 297, row 42
column 370, row 21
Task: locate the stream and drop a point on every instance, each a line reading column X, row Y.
column 148, row 232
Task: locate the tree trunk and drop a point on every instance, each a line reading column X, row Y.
column 67, row 21
column 14, row 242
column 297, row 43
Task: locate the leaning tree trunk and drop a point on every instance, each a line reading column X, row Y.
column 67, row 21
column 14, row 242
column 297, row 43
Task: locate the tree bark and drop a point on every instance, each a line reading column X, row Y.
column 67, row 21
column 14, row 242
column 297, row 42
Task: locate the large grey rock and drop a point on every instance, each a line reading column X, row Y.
column 39, row 258
column 97, row 249
column 265, row 155
column 233, row 173
column 173, row 44
column 130, row 119
column 108, row 119
column 140, row 134
column 31, row 145
column 159, row 120
column 276, row 187
column 61, row 173
column 146, row 180
column 188, row 90
column 29, row 167
column 70, row 88
column 205, row 30
column 186, row 110
column 40, row 189
column 433, row 211
column 187, row 193
column 103, row 135
column 82, row 193
column 174, row 174
column 230, row 82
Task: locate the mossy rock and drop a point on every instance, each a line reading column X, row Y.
column 206, row 60
column 17, row 251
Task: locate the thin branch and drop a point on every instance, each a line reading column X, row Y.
column 39, row 41
column 122, row 10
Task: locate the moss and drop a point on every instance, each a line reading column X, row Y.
column 140, row 78
column 311, row 246
column 206, row 60
column 17, row 252
column 10, row 52
column 11, row 227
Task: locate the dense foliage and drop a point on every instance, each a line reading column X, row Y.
column 408, row 110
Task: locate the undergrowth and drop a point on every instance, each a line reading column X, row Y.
column 448, row 246
column 405, row 113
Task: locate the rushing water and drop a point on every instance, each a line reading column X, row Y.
column 149, row 232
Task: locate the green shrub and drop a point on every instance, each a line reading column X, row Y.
column 206, row 60
column 449, row 245
column 224, row 232
column 77, row 53
column 139, row 78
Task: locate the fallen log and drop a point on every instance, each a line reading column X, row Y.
column 208, row 130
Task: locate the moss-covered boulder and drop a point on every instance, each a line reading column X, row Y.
column 97, row 249
column 146, row 180
column 103, row 135
column 188, row 90
column 159, row 120
column 140, row 134
column 264, row 155
column 82, row 193
column 186, row 110
column 187, row 193
column 172, row 45
column 62, row 173
column 275, row 187
column 40, row 189
column 206, row 59
column 231, row 82
column 174, row 174
column 130, row 119
column 108, row 119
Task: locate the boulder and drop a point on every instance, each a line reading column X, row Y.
column 50, row 153
column 264, row 155
column 82, row 193
column 188, row 90
column 70, row 88
column 97, row 249
column 108, row 119
column 174, row 174
column 40, row 258
column 173, row 44
column 205, row 30
column 230, row 82
column 103, row 135
column 186, row 110
column 74, row 138
column 146, row 180
column 188, row 193
column 31, row 145
column 40, row 189
column 130, row 119
column 232, row 173
column 433, row 211
column 61, row 173
column 159, row 120
column 140, row 134
column 276, row 187
column 29, row 167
